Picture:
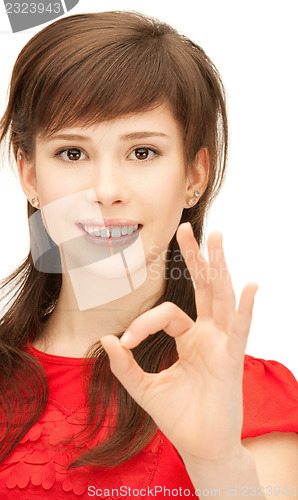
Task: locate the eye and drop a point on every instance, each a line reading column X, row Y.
column 143, row 154
column 72, row 154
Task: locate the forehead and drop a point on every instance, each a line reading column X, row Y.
column 159, row 122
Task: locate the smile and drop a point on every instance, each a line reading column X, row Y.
column 110, row 231
column 112, row 236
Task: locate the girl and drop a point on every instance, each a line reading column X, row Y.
column 123, row 365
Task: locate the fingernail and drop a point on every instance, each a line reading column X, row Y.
column 126, row 338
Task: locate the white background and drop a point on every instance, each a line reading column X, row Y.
column 254, row 45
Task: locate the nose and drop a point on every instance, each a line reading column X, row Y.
column 108, row 185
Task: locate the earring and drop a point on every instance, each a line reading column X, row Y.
column 20, row 157
column 35, row 202
column 193, row 200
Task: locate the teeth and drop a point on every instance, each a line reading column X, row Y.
column 111, row 231
column 116, row 232
column 104, row 233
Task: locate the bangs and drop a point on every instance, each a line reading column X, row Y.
column 88, row 68
column 93, row 85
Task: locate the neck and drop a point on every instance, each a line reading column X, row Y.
column 71, row 331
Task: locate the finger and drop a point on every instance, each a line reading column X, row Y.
column 125, row 368
column 198, row 269
column 223, row 296
column 167, row 316
column 242, row 319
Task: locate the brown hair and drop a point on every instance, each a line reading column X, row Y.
column 83, row 69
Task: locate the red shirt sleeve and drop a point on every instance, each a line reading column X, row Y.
column 270, row 398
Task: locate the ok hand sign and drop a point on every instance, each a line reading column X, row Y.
column 197, row 402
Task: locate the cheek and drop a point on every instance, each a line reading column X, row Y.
column 49, row 187
column 53, row 189
column 166, row 206
column 168, row 195
column 63, row 211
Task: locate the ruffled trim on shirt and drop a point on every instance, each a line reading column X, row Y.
column 41, row 459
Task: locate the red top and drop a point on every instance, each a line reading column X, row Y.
column 36, row 467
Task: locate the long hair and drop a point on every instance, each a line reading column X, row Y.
column 84, row 69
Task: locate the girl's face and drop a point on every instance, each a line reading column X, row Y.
column 131, row 168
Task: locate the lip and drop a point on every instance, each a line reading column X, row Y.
column 102, row 223
column 122, row 241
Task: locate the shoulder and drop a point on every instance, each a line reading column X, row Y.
column 270, row 423
column 270, row 398
column 263, row 375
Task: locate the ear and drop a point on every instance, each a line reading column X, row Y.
column 197, row 176
column 26, row 171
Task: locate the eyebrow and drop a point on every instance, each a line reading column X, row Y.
column 142, row 135
column 124, row 137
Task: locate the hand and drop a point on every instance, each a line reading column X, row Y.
column 197, row 402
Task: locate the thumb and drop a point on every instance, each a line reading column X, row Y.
column 124, row 367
